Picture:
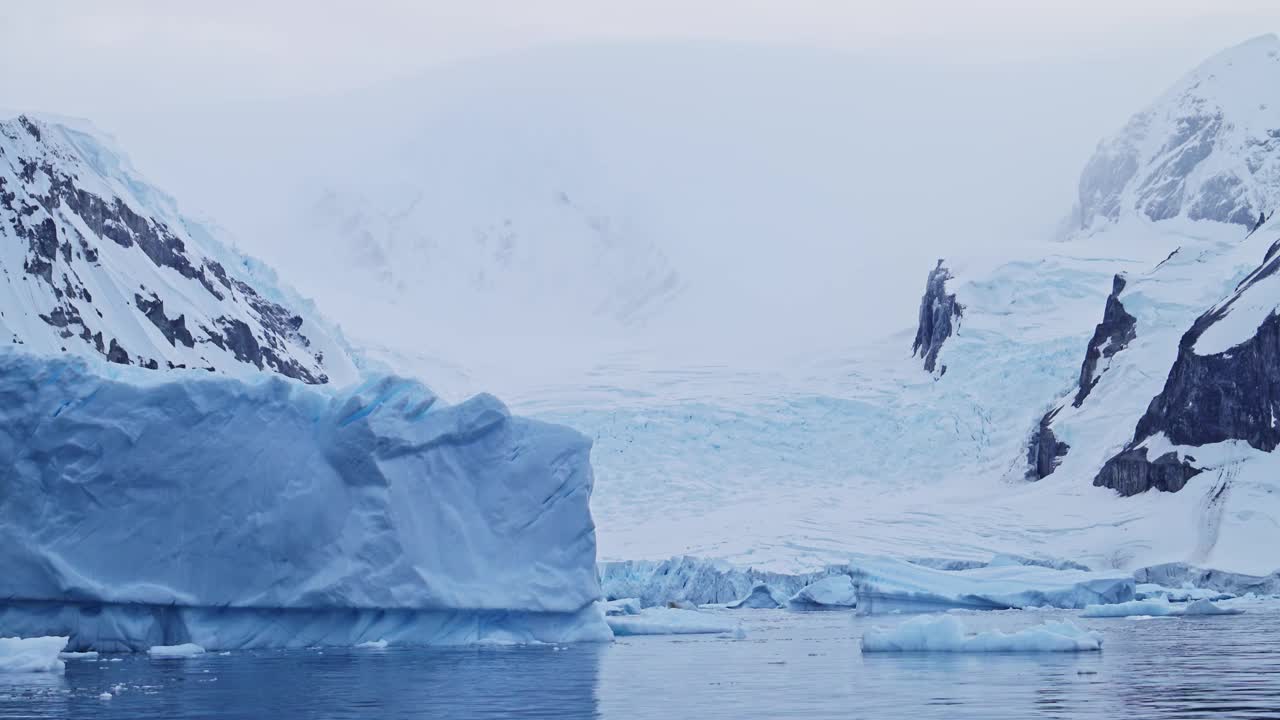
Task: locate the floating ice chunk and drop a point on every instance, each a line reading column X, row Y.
column 31, row 655
column 175, row 651
column 91, row 655
column 1152, row 591
column 830, row 593
column 1151, row 608
column 946, row 633
column 105, row 696
column 1206, row 607
column 761, row 596
column 373, row 645
column 670, row 621
column 885, row 584
column 624, row 606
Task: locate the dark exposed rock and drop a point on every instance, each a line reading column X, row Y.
column 1117, row 329
column 937, row 312
column 1232, row 395
column 66, row 228
column 1045, row 451
column 173, row 330
column 239, row 340
column 117, row 354
column 1131, row 473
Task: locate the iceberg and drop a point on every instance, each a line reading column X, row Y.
column 671, row 621
column 1157, row 608
column 1132, row 608
column 144, row 509
column 762, row 596
column 945, row 633
column 887, row 585
column 836, row 592
column 1206, row 607
column 31, row 654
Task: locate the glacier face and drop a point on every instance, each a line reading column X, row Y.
column 95, row 261
column 209, row 495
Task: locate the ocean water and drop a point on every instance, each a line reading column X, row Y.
column 803, row 665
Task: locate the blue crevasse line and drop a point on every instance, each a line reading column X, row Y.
column 378, row 402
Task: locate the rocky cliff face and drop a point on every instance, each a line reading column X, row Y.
column 939, row 314
column 1224, row 385
column 1045, row 451
column 1117, row 329
column 94, row 261
column 1206, row 150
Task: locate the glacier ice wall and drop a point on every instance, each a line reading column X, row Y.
column 125, row 491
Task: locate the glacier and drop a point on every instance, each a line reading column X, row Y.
column 144, row 509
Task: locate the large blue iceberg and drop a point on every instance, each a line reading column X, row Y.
column 141, row 509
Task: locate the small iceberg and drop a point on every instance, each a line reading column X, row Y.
column 623, row 606
column 31, row 655
column 761, row 597
column 372, row 645
column 1156, row 608
column 946, row 633
column 836, row 592
column 175, row 651
column 670, row 621
column 91, row 655
column 1206, row 607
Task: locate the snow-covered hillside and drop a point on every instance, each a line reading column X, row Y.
column 95, row 261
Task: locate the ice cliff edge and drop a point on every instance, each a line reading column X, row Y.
column 140, row 509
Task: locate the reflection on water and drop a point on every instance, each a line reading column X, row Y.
column 790, row 665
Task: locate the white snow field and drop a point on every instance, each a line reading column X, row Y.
column 31, row 654
column 946, row 633
column 280, row 514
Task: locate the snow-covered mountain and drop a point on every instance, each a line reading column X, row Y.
column 190, row 454
column 1135, row 356
column 95, row 261
column 1205, row 150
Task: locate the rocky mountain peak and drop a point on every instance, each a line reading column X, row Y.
column 97, row 262
column 1207, row 149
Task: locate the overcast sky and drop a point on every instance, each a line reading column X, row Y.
column 882, row 134
column 82, row 56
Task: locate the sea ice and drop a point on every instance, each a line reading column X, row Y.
column 623, row 606
column 670, row 621
column 1157, row 608
column 175, row 651
column 1206, row 607
column 31, row 655
column 946, row 633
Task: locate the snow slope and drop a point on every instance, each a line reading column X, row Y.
column 95, row 261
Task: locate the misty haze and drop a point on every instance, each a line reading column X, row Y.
column 639, row 360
